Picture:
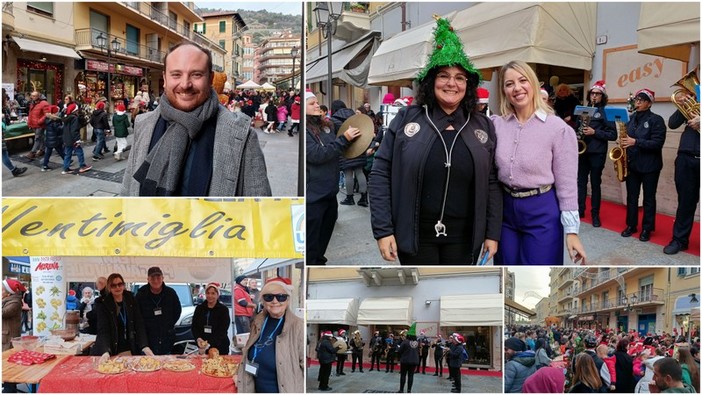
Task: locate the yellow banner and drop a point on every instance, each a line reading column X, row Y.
column 242, row 228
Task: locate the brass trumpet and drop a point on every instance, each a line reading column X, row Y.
column 618, row 154
column 584, row 122
column 688, row 105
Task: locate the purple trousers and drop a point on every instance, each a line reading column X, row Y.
column 532, row 233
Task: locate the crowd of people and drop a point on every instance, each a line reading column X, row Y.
column 555, row 360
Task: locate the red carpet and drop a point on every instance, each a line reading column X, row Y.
column 613, row 217
column 366, row 367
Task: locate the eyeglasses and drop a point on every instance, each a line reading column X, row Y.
column 280, row 297
column 596, row 93
column 444, row 79
column 116, row 285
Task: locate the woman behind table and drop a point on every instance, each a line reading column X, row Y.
column 211, row 322
column 537, row 163
column 120, row 329
column 585, row 377
column 275, row 348
column 434, row 194
column 323, row 151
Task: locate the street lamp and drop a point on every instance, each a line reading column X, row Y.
column 115, row 46
column 327, row 13
column 293, row 53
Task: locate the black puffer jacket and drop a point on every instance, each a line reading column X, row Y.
column 54, row 131
column 100, row 120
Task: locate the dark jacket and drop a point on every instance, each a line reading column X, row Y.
column 326, row 353
column 107, row 321
column 99, row 119
column 54, row 131
column 580, row 388
column 517, row 369
column 398, row 169
column 323, row 164
column 625, row 373
column 564, row 108
column 690, row 138
column 120, row 123
column 160, row 329
column 271, row 112
column 71, row 130
column 91, row 316
column 455, row 355
column 646, row 156
column 341, row 115
column 409, row 352
column 438, row 350
column 604, row 131
column 219, row 320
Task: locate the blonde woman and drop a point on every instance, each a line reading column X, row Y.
column 585, row 377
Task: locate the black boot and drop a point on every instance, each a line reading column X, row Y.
column 18, row 171
column 348, row 201
column 596, row 220
column 363, row 202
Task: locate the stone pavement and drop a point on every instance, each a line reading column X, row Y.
column 379, row 381
column 105, row 179
column 353, row 244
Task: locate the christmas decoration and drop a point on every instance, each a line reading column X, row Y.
column 448, row 51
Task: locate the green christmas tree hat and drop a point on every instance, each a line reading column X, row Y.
column 412, row 330
column 448, row 51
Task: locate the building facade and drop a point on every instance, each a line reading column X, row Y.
column 275, row 61
column 226, row 29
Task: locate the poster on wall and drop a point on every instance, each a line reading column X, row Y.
column 48, row 293
column 430, row 329
column 626, row 71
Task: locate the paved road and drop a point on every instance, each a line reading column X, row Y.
column 381, row 382
column 105, row 179
column 353, row 244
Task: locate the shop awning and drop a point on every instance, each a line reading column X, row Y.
column 560, row 34
column 350, row 63
column 332, row 311
column 26, row 44
column 668, row 29
column 471, row 310
column 683, row 305
column 389, row 311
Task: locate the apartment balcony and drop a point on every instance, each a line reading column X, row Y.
column 566, row 296
column 161, row 18
column 566, row 279
column 8, row 17
column 86, row 40
column 353, row 22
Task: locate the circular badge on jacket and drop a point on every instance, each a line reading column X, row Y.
column 481, row 135
column 646, row 124
column 411, row 129
column 597, row 115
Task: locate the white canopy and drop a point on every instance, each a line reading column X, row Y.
column 267, row 87
column 332, row 311
column 248, row 85
column 471, row 310
column 50, row 49
column 350, row 62
column 561, row 34
column 389, row 311
column 668, row 29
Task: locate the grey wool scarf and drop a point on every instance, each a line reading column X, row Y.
column 160, row 173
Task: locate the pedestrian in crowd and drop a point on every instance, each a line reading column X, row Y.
column 282, row 115
column 274, row 347
column 391, row 346
column 71, row 300
column 211, row 322
column 455, row 357
column 160, row 309
column 12, row 292
column 271, row 112
column 667, row 378
column 590, row 342
column 91, row 316
column 585, row 376
column 27, row 310
column 687, row 176
column 38, row 107
column 540, row 196
column 547, row 380
column 356, row 343
column 625, row 368
column 643, row 385
column 120, row 328
column 438, row 347
column 520, row 365
column 322, row 155
column 690, row 370
column 409, row 358
column 72, row 142
column 6, row 161
column 610, row 361
column 376, row 351
column 54, row 137
column 85, row 306
column 120, row 124
column 565, row 104
column 99, row 120
column 352, row 167
column 435, row 197
column 541, row 356
column 217, row 152
column 423, row 353
column 591, row 163
column 326, row 354
column 244, row 306
column 341, row 355
column 644, row 148
column 483, row 101
column 295, row 109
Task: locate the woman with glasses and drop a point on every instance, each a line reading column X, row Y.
column 274, row 356
column 434, row 194
column 211, row 322
column 120, row 329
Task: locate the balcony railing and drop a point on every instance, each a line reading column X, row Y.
column 88, row 38
column 156, row 15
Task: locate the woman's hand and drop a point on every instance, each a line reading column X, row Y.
column 388, row 248
column 576, row 251
column 491, row 247
column 352, row 133
column 147, row 351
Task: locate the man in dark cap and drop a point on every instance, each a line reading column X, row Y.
column 244, row 306
column 160, row 309
column 644, row 145
column 520, row 364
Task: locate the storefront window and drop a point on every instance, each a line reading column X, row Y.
column 478, row 343
column 47, row 78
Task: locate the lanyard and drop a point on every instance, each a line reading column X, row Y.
column 259, row 345
column 157, row 304
column 123, row 316
column 208, row 318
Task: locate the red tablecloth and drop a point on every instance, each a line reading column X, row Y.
column 78, row 375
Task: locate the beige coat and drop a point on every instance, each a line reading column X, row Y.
column 11, row 319
column 289, row 355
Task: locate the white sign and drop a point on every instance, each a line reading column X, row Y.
column 48, row 293
column 430, row 329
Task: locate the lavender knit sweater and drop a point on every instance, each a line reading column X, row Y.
column 543, row 151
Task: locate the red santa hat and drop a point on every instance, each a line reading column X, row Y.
column 483, row 95
column 120, row 107
column 100, row 105
column 389, row 98
column 71, row 108
column 327, row 333
column 13, row 286
column 600, row 86
column 216, row 286
column 458, row 337
column 646, row 94
column 53, row 109
column 72, row 292
column 342, row 332
column 276, row 285
column 297, row 99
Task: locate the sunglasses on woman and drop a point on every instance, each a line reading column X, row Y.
column 280, row 297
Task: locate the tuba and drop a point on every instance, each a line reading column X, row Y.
column 584, row 122
column 688, row 106
column 618, row 154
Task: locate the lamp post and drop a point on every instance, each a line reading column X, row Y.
column 293, row 53
column 115, row 47
column 693, row 300
column 327, row 13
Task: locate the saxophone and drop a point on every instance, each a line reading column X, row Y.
column 584, row 122
column 618, row 154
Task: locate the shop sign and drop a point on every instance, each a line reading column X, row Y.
column 19, row 268
column 94, row 65
column 48, row 293
column 586, row 318
column 208, row 228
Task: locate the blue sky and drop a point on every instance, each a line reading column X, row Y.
column 283, row 7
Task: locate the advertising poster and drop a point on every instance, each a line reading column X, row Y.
column 48, row 293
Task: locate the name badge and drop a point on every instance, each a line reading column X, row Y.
column 158, row 311
column 251, row 368
column 208, row 329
